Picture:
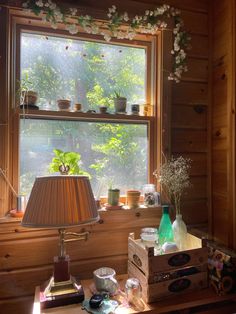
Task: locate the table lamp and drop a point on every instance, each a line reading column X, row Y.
column 61, row 202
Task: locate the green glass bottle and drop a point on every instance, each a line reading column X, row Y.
column 165, row 228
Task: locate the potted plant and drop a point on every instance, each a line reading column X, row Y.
column 67, row 163
column 25, row 95
column 119, row 103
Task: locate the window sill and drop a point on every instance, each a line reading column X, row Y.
column 73, row 115
column 103, row 212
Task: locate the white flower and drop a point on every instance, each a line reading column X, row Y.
column 88, row 29
column 95, row 29
column 147, row 12
column 39, row 3
column 109, row 15
column 112, row 9
column 107, row 37
column 120, row 35
column 53, row 6
column 72, row 28
column 73, row 11
column 126, row 17
column 54, row 25
column 176, row 47
column 131, row 35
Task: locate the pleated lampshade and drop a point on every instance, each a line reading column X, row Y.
column 59, row 202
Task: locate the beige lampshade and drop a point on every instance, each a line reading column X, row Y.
column 60, row 201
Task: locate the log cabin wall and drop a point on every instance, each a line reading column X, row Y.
column 223, row 121
column 26, row 256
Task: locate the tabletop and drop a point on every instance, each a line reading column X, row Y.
column 173, row 303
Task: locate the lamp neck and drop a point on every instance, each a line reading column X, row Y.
column 62, row 242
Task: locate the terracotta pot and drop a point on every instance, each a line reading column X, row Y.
column 77, row 107
column 133, row 197
column 103, row 109
column 63, row 104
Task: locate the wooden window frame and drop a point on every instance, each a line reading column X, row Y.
column 157, row 91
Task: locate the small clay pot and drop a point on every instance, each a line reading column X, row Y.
column 63, row 104
column 133, row 197
column 77, row 107
column 103, row 109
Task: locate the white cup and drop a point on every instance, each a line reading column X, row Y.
column 104, row 279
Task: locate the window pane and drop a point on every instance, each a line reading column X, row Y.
column 83, row 71
column 114, row 154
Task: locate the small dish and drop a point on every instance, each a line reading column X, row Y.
column 114, row 207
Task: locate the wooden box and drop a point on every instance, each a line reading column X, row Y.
column 168, row 274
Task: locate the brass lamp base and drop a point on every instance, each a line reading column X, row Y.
column 54, row 294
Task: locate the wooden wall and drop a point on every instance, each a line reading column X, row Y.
column 26, row 255
column 223, row 121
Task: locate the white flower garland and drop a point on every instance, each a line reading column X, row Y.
column 149, row 23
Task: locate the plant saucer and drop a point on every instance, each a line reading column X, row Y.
column 114, row 207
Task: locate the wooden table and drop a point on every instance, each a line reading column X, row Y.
column 183, row 302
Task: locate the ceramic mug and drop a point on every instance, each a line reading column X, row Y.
column 104, row 279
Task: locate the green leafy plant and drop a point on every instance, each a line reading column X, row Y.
column 118, row 94
column 22, row 88
column 68, row 161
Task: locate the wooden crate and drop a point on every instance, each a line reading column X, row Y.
column 166, row 288
column 168, row 274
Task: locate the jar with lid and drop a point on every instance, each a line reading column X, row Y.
column 151, row 198
column 149, row 235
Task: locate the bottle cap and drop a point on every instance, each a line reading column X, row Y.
column 165, row 209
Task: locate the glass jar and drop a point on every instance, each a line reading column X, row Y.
column 149, row 197
column 149, row 235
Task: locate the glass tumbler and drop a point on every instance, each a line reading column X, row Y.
column 133, row 291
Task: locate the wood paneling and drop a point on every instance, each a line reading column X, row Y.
column 190, row 93
column 185, row 116
column 223, row 121
column 198, row 70
column 191, row 141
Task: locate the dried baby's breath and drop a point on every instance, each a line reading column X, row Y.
column 174, row 178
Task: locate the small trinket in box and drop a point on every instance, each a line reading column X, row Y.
column 222, row 268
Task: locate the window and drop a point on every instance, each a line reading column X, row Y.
column 85, row 72
column 112, row 153
column 115, row 150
